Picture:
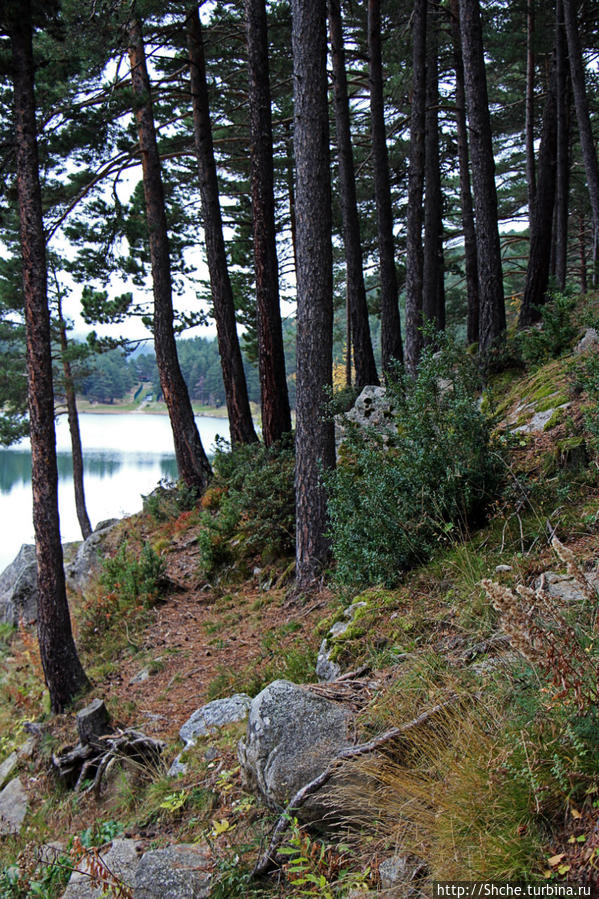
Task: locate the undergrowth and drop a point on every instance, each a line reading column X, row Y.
column 394, row 500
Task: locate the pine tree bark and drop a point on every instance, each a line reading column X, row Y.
column 470, row 251
column 582, row 254
column 391, row 347
column 63, row 671
column 75, row 433
column 587, row 143
column 315, row 442
column 192, row 462
column 414, row 250
column 563, row 150
column 529, row 125
column 236, row 395
column 356, row 292
column 537, row 275
column 276, row 416
column 433, row 278
column 490, row 277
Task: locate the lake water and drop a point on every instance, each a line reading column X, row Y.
column 125, row 455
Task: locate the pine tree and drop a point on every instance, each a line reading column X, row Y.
column 63, row 672
column 315, row 441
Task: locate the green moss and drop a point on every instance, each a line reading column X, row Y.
column 553, row 401
column 555, row 420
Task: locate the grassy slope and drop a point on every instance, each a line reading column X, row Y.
column 503, row 785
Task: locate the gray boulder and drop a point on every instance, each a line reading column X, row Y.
column 121, row 859
column 372, row 409
column 207, row 720
column 590, row 341
column 88, row 557
column 13, row 807
column 291, row 737
column 178, row 872
column 18, row 588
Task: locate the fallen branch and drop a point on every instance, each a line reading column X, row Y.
column 269, row 859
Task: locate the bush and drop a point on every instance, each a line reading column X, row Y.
column 128, row 587
column 249, row 509
column 169, row 500
column 391, row 502
column 556, row 335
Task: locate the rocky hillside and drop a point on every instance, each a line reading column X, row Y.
column 368, row 739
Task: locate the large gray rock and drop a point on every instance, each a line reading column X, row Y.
column 121, row 859
column 590, row 341
column 207, row 720
column 88, row 557
column 292, row 735
column 178, row 872
column 18, row 588
column 372, row 409
column 13, row 807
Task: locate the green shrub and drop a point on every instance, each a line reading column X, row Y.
column 128, row 587
column 169, row 500
column 136, row 581
column 391, row 503
column 249, row 509
column 556, row 335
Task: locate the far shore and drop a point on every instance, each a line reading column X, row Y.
column 143, row 408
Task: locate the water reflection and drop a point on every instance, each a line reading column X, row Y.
column 15, row 466
column 126, row 456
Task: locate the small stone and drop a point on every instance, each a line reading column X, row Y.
column 500, row 569
column 178, row 872
column 215, row 714
column 141, row 676
column 177, row 767
column 211, row 753
column 13, row 807
column 92, row 722
column 7, row 767
column 399, row 869
column 564, row 587
column 326, row 669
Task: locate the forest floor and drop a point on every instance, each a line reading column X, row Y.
column 505, row 788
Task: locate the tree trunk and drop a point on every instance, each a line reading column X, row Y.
column 390, row 321
column 315, row 441
column 192, row 462
column 530, row 109
column 63, row 672
column 276, row 417
column 582, row 251
column 470, row 252
column 537, row 275
column 356, row 293
column 587, row 143
column 236, row 395
column 563, row 150
column 73, row 419
column 433, row 286
column 414, row 252
column 490, row 276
